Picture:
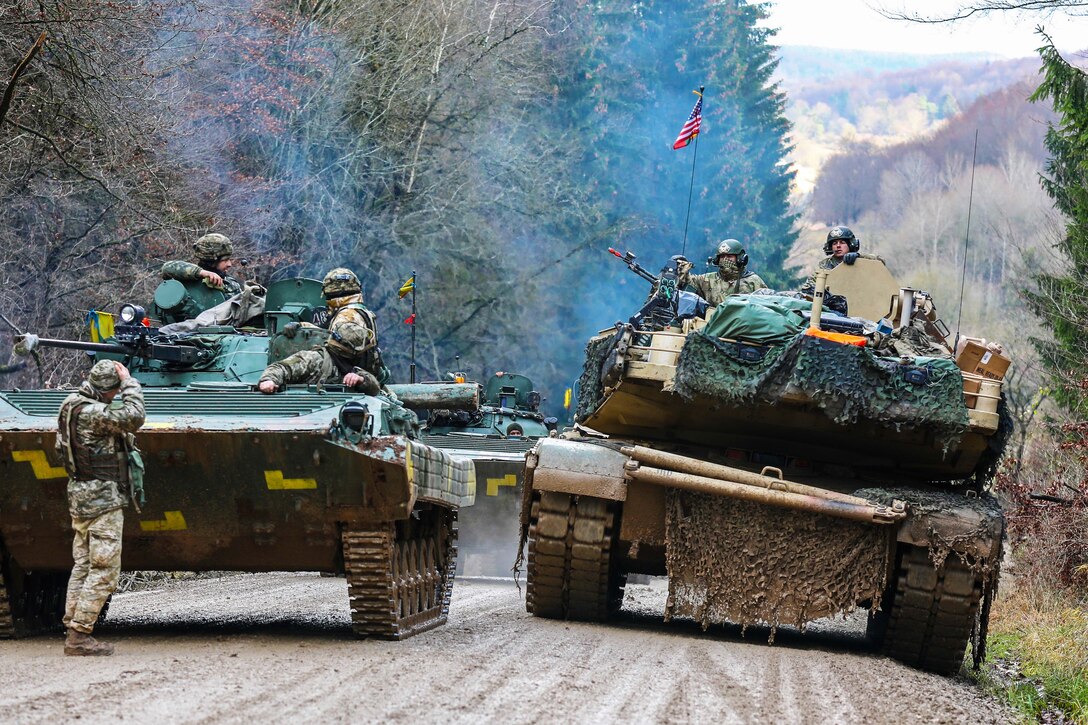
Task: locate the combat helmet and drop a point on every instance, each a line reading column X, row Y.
column 348, row 339
column 213, row 247
column 843, row 233
column 731, row 246
column 339, row 282
column 104, row 377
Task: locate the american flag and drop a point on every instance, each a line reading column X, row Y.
column 691, row 127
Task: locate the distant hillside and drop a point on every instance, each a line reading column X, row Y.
column 840, row 98
column 803, row 65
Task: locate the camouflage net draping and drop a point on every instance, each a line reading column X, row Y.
column 748, row 563
column 590, row 390
column 847, row 383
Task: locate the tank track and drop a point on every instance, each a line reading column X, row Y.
column 31, row 602
column 400, row 574
column 571, row 574
column 932, row 613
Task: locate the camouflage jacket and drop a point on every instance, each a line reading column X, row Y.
column 827, row 263
column 714, row 287
column 100, row 428
column 350, row 309
column 311, row 367
column 188, row 272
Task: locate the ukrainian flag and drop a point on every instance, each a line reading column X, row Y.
column 407, row 287
column 100, row 325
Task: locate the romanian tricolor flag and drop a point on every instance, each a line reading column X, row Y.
column 407, row 287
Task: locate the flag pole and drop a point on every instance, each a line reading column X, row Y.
column 691, row 186
column 412, row 367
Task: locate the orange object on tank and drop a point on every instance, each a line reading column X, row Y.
column 840, row 337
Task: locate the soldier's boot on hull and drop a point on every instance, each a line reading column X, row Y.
column 78, row 644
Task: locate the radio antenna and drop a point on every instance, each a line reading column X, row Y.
column 966, row 242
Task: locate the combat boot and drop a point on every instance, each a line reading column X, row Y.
column 78, row 644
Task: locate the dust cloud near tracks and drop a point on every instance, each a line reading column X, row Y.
column 273, row 647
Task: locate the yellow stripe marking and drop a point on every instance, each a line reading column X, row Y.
column 39, row 465
column 494, row 483
column 276, row 482
column 171, row 521
column 158, row 426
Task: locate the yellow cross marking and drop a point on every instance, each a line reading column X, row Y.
column 494, row 483
column 171, row 521
column 276, row 482
column 38, row 464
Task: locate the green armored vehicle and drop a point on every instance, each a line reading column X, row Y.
column 495, row 438
column 780, row 464
column 314, row 478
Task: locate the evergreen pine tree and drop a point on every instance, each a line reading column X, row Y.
column 1061, row 299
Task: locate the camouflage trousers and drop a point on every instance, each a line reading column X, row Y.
column 96, row 550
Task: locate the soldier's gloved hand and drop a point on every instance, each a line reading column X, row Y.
column 291, row 329
column 850, row 257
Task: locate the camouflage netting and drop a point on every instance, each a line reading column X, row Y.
column 590, row 390
column 747, row 563
column 848, row 383
column 972, row 545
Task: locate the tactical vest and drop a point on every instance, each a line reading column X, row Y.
column 371, row 360
column 80, row 462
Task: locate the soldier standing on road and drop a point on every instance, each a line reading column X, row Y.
column 732, row 278
column 841, row 247
column 349, row 355
column 94, row 440
column 214, row 253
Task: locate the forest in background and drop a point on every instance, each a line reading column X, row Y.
column 497, row 150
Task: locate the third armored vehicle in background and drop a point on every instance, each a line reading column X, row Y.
column 314, row 478
column 779, row 464
column 495, row 437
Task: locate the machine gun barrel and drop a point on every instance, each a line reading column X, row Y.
column 142, row 348
column 629, row 259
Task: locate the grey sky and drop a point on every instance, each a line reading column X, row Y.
column 855, row 24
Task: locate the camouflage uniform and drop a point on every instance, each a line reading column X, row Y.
column 317, row 366
column 209, row 249
column 188, row 272
column 714, row 287
column 94, row 449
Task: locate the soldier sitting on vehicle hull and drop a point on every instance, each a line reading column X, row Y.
column 214, row 253
column 94, row 440
column 732, row 278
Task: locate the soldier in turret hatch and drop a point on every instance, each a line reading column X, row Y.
column 214, row 257
column 350, row 354
column 841, row 247
column 732, row 278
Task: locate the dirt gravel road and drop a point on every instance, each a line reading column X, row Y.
column 278, row 647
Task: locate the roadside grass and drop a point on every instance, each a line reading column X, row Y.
column 1037, row 658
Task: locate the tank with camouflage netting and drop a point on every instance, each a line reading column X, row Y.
column 780, row 463
column 312, row 478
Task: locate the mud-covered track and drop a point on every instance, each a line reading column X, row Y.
column 570, row 571
column 400, row 575
column 933, row 612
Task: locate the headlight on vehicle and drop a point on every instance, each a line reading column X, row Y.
column 355, row 415
column 132, row 314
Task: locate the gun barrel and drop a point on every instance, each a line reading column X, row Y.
column 28, row 343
